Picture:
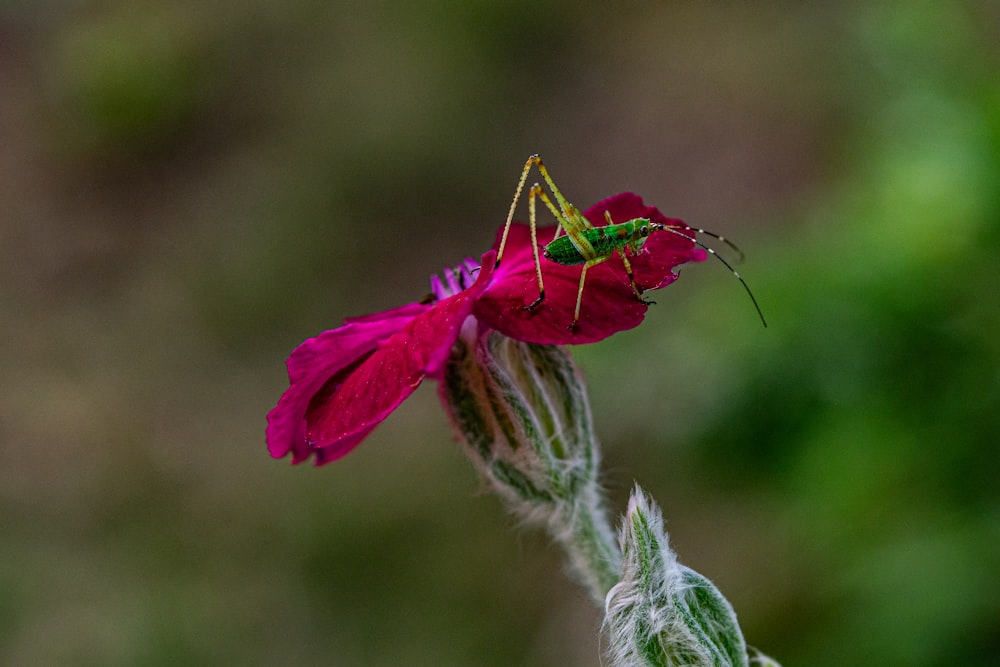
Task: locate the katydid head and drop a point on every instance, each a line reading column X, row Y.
column 640, row 229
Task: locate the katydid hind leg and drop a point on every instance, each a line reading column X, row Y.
column 534, row 159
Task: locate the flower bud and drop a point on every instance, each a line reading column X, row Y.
column 661, row 612
column 523, row 414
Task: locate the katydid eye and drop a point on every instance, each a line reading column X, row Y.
column 644, row 230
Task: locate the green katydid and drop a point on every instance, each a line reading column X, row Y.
column 585, row 244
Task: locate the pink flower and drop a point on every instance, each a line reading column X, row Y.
column 345, row 381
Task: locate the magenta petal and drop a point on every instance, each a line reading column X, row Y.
column 409, row 310
column 311, row 366
column 344, row 411
column 608, row 305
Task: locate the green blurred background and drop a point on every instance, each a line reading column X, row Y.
column 188, row 190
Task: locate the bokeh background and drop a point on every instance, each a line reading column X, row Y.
column 188, row 190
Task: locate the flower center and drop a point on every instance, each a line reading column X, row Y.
column 455, row 280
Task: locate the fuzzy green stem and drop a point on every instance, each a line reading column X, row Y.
column 586, row 536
